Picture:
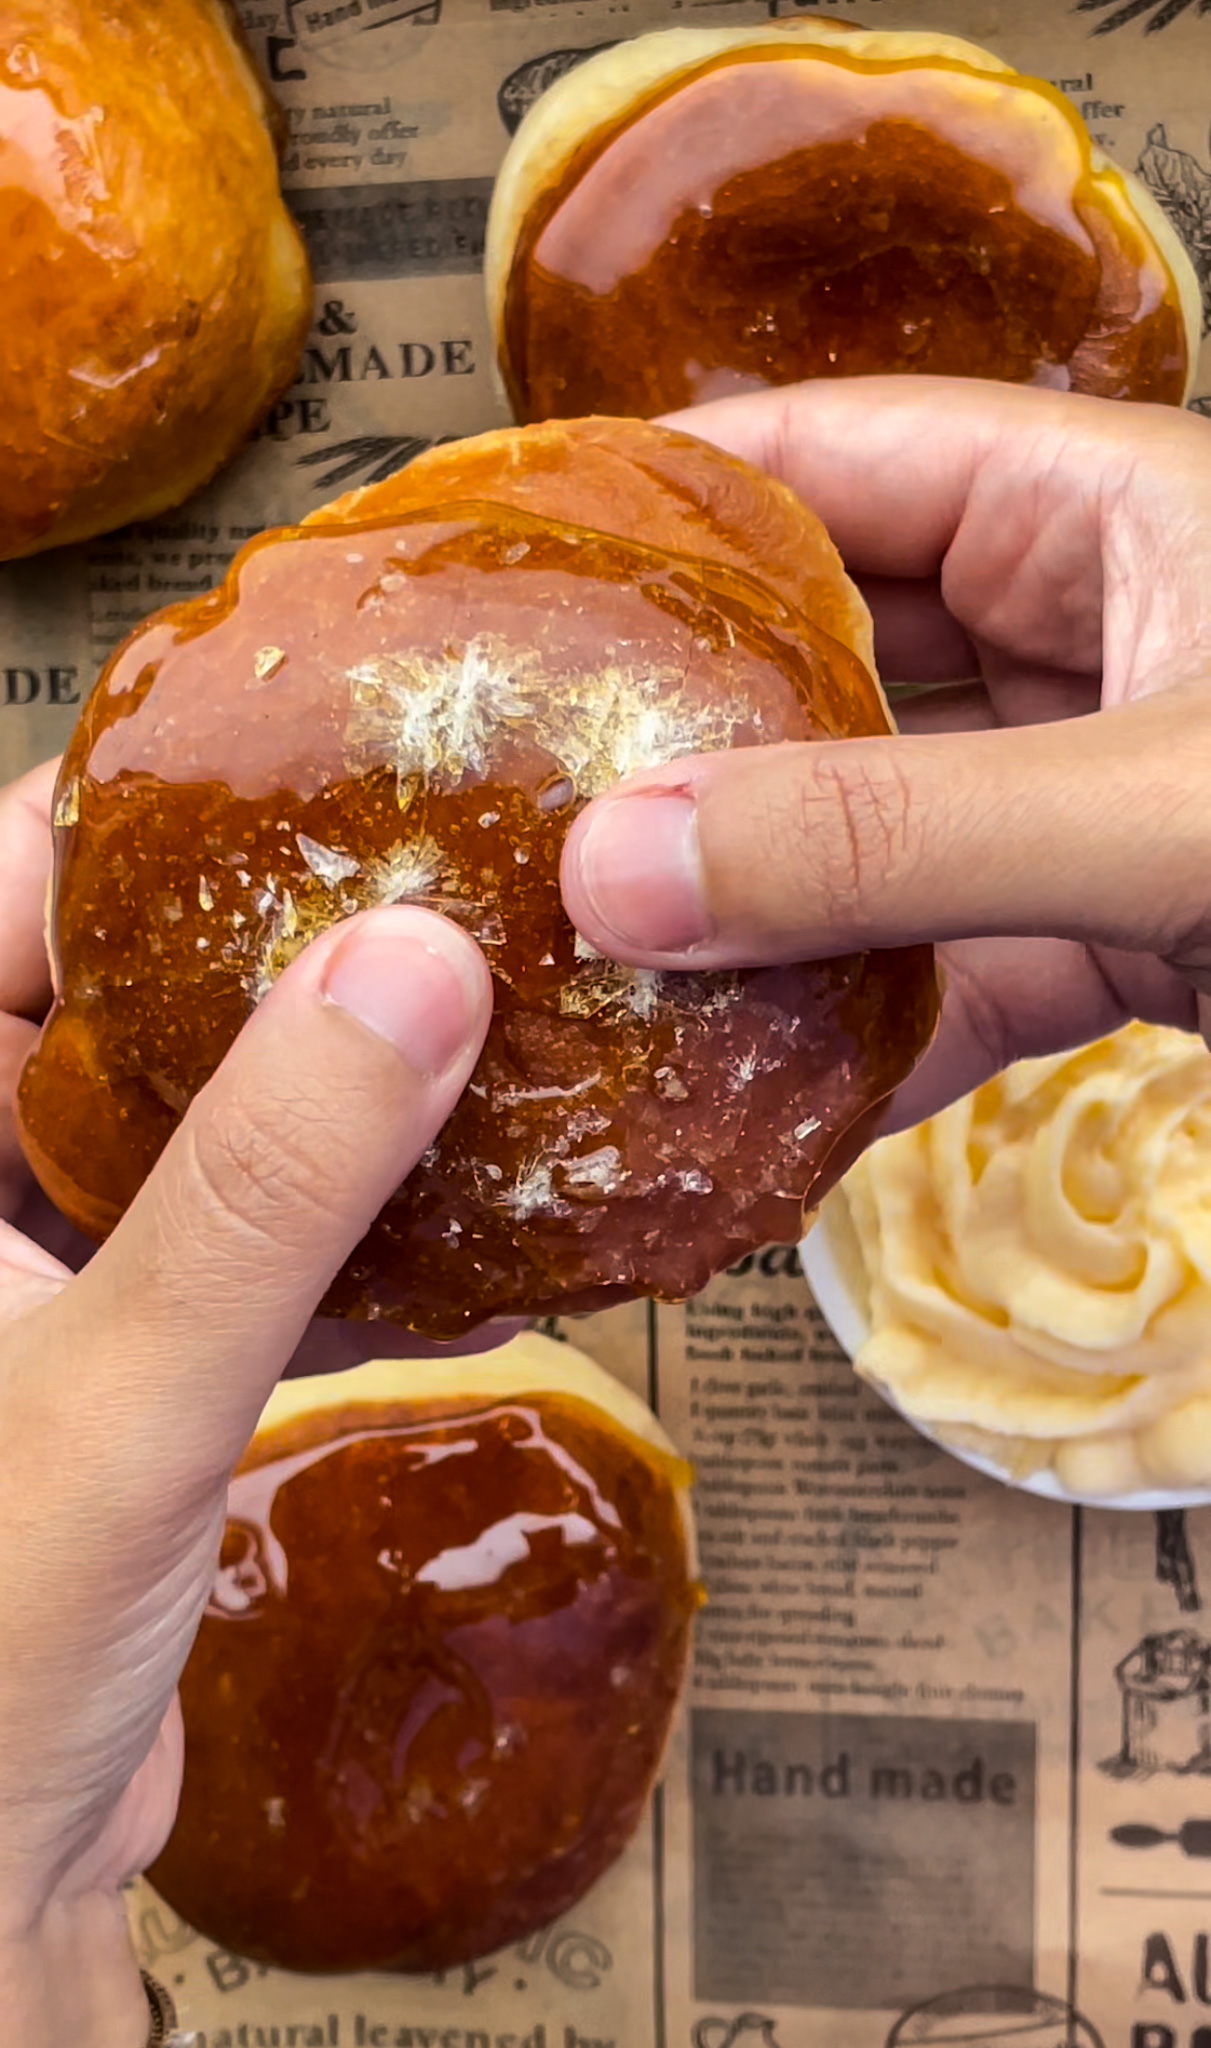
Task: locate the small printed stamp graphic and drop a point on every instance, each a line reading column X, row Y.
column 1193, row 1837
column 367, row 459
column 747, row 2030
column 426, row 227
column 1152, row 15
column 1165, row 1683
column 531, row 79
column 1174, row 1557
column 989, row 2015
column 812, row 1829
column 316, row 22
column 1182, row 185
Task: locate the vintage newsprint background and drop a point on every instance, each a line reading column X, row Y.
column 922, row 1706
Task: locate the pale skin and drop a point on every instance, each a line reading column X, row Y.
column 1060, row 549
column 1057, row 547
column 128, row 1392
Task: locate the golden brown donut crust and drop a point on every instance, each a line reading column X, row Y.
column 157, row 293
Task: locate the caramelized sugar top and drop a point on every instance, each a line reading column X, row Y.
column 414, row 713
column 799, row 213
column 433, row 1683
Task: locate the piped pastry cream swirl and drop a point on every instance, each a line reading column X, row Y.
column 1036, row 1262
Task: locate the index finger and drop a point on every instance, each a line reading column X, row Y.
column 886, row 462
column 25, row 866
column 1003, row 492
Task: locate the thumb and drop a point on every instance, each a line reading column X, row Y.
column 1096, row 829
column 339, row 1081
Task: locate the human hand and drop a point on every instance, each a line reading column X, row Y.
column 128, row 1392
column 25, row 993
column 1057, row 548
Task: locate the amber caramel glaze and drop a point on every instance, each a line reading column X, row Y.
column 433, row 1687
column 156, row 292
column 623, row 476
column 776, row 214
column 415, row 711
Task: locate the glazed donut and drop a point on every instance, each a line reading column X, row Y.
column 698, row 212
column 157, row 293
column 408, row 700
column 433, row 1687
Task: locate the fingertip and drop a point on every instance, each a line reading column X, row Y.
column 632, row 875
column 415, row 979
column 26, row 854
column 760, row 427
column 887, row 462
column 37, row 786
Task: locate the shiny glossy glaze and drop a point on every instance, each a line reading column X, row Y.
column 433, row 1685
column 155, row 290
column 781, row 214
column 414, row 712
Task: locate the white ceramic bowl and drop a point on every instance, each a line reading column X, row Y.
column 829, row 1265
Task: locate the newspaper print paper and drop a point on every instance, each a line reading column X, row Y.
column 944, row 1773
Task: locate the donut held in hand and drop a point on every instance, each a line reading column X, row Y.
column 408, row 700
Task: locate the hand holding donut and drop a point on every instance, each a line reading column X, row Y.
column 1049, row 821
column 128, row 1391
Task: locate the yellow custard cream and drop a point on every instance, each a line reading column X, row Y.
column 1036, row 1263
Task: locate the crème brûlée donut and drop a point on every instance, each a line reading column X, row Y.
column 408, row 701
column 434, row 1684
column 156, row 290
column 699, row 212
